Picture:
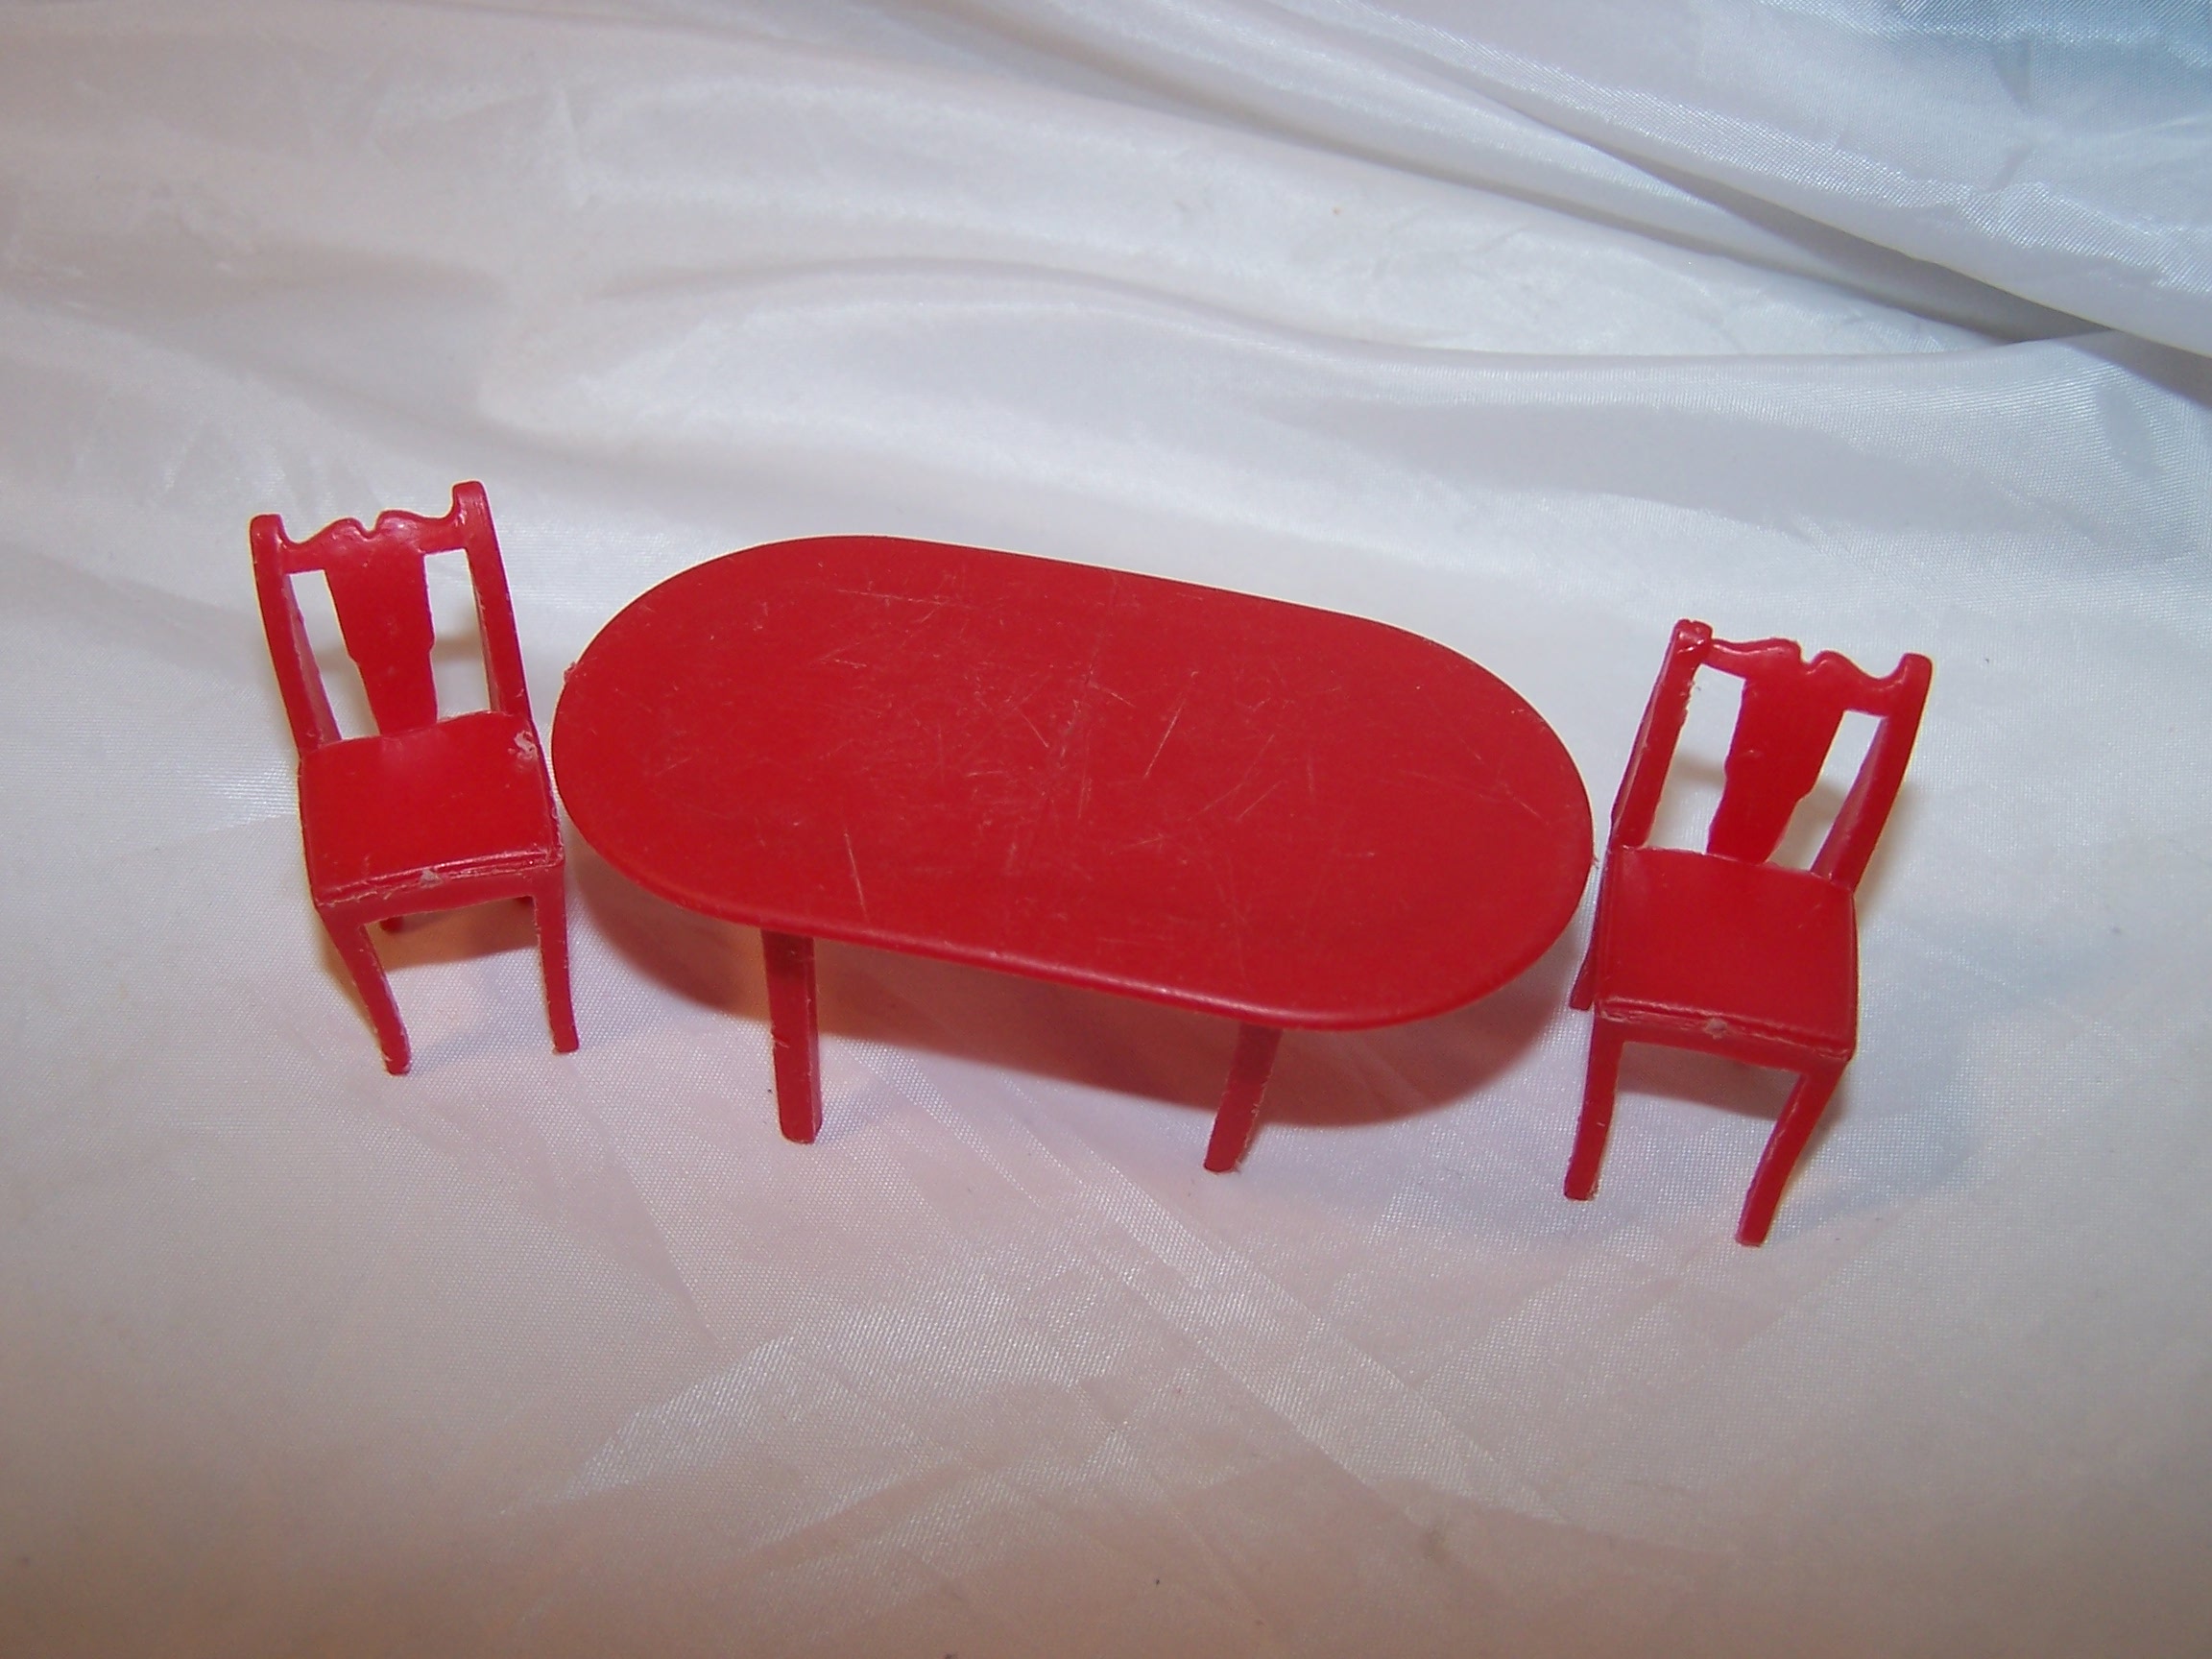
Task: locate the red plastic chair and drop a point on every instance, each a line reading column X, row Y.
column 1725, row 950
column 427, row 815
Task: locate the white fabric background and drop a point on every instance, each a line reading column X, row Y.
column 1531, row 328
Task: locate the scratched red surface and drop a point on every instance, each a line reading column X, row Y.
column 1278, row 814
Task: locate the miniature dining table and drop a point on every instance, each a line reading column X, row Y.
column 1285, row 816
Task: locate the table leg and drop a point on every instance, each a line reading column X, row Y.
column 790, row 959
column 1240, row 1111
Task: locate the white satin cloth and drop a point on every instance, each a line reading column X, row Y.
column 1880, row 327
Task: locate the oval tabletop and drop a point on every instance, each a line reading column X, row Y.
column 1284, row 815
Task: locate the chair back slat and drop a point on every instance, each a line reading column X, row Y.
column 1785, row 727
column 382, row 597
column 383, row 605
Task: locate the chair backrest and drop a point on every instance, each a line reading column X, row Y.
column 1790, row 712
column 382, row 597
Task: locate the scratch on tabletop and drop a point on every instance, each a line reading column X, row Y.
column 852, row 862
column 1160, row 748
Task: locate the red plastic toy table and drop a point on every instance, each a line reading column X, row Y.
column 1285, row 816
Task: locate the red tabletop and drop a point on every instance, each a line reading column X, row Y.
column 1284, row 815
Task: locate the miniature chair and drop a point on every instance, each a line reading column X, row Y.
column 427, row 815
column 1725, row 950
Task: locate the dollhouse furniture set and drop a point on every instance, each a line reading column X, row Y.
column 1288, row 817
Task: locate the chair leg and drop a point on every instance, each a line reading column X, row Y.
column 1582, row 995
column 1791, row 1130
column 1578, row 998
column 359, row 954
column 797, row 1042
column 1578, row 994
column 549, row 910
column 1606, row 1041
column 1239, row 1108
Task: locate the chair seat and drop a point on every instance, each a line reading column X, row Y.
column 398, row 817
column 1710, row 952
